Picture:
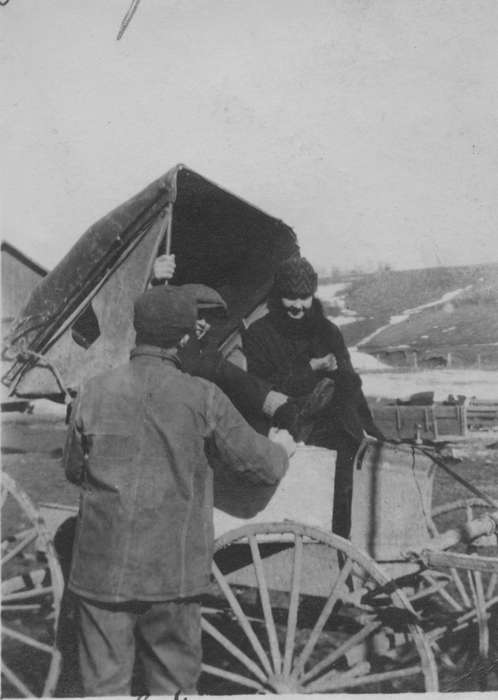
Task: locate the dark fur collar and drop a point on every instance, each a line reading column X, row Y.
column 296, row 329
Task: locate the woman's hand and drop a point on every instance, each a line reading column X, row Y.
column 327, row 363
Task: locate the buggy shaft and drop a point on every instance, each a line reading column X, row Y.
column 473, row 489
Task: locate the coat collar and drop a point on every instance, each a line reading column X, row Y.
column 169, row 355
column 303, row 329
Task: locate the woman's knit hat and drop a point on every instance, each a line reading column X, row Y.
column 295, row 278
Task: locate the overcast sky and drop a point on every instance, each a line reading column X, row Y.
column 369, row 126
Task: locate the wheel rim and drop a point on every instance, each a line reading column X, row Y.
column 469, row 587
column 306, row 612
column 452, row 599
column 32, row 587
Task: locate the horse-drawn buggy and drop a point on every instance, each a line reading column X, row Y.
column 293, row 608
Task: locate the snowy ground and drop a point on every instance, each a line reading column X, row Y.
column 481, row 384
column 363, row 362
column 380, row 380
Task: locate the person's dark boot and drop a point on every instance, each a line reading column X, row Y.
column 297, row 415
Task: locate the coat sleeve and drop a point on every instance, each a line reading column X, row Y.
column 74, row 458
column 337, row 345
column 239, row 448
column 259, row 362
column 344, row 365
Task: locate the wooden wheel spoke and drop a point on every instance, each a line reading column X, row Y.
column 472, row 587
column 460, row 623
column 24, row 582
column 18, row 536
column 443, row 593
column 24, row 595
column 233, row 650
column 25, row 639
column 482, row 617
column 20, row 497
column 230, row 676
column 53, row 674
column 337, row 644
column 330, row 681
column 460, row 587
column 265, row 602
column 31, row 591
column 290, row 636
column 29, row 537
column 425, row 593
column 324, row 615
column 336, row 654
column 241, row 617
column 491, row 586
column 343, row 681
column 15, row 681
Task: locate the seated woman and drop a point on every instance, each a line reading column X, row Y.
column 252, row 395
column 294, row 348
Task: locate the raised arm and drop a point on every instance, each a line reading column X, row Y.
column 242, row 450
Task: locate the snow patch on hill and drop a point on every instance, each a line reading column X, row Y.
column 405, row 315
column 335, row 294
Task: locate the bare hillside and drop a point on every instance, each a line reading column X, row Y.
column 448, row 309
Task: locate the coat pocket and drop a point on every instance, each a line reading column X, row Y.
column 113, row 441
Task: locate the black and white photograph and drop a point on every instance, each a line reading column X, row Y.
column 249, row 347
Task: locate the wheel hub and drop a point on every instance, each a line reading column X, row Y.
column 284, row 685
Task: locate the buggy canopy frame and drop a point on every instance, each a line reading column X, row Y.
column 78, row 320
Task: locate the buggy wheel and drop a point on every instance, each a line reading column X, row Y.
column 296, row 610
column 32, row 587
column 458, row 595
